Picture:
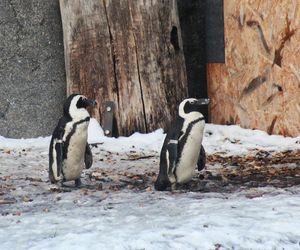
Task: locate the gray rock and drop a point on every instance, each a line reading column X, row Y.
column 32, row 71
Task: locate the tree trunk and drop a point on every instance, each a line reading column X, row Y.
column 128, row 52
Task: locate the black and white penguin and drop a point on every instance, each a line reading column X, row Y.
column 182, row 150
column 69, row 151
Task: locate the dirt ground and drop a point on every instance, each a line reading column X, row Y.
column 24, row 174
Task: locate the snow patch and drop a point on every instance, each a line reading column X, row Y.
column 144, row 220
column 229, row 140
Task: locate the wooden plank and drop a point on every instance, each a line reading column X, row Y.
column 121, row 51
column 214, row 31
column 192, row 22
column 259, row 86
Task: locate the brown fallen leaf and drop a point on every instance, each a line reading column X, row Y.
column 33, row 179
column 254, row 195
column 84, row 191
column 7, row 201
column 137, row 157
column 218, row 246
column 99, row 187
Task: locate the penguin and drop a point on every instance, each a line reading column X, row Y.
column 182, row 149
column 69, row 151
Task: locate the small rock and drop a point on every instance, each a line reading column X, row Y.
column 99, row 187
column 27, row 199
column 46, row 210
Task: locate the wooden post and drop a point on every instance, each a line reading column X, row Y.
column 128, row 52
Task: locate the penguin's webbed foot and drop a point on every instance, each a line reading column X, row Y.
column 173, row 186
column 202, row 159
column 78, row 183
column 162, row 184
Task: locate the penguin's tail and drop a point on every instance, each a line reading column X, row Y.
column 162, row 183
column 53, row 179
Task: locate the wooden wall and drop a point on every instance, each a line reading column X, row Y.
column 127, row 52
column 259, row 85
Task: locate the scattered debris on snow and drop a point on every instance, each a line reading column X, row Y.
column 247, row 197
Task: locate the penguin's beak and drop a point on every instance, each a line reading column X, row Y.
column 90, row 103
column 203, row 101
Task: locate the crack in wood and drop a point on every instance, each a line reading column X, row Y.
column 112, row 47
column 140, row 82
column 174, row 39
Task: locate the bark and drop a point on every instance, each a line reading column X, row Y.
column 128, row 52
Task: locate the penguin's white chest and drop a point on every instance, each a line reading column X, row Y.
column 185, row 169
column 74, row 163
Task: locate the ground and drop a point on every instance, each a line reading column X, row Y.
column 239, row 201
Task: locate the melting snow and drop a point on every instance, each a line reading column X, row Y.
column 125, row 219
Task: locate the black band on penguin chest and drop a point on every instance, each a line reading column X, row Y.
column 67, row 141
column 184, row 138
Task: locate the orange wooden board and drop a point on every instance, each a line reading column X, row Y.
column 259, row 85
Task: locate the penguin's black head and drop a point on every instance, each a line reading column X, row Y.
column 190, row 106
column 75, row 106
column 83, row 102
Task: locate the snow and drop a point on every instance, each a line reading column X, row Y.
column 234, row 140
column 157, row 221
column 229, row 140
column 38, row 218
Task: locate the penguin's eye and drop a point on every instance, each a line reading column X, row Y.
column 81, row 103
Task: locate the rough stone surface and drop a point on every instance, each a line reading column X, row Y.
column 32, row 73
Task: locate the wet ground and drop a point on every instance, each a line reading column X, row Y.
column 24, row 174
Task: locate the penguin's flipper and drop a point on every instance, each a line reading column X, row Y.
column 59, row 144
column 172, row 156
column 168, row 157
column 166, row 177
column 202, row 159
column 59, row 156
column 88, row 157
column 56, row 153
